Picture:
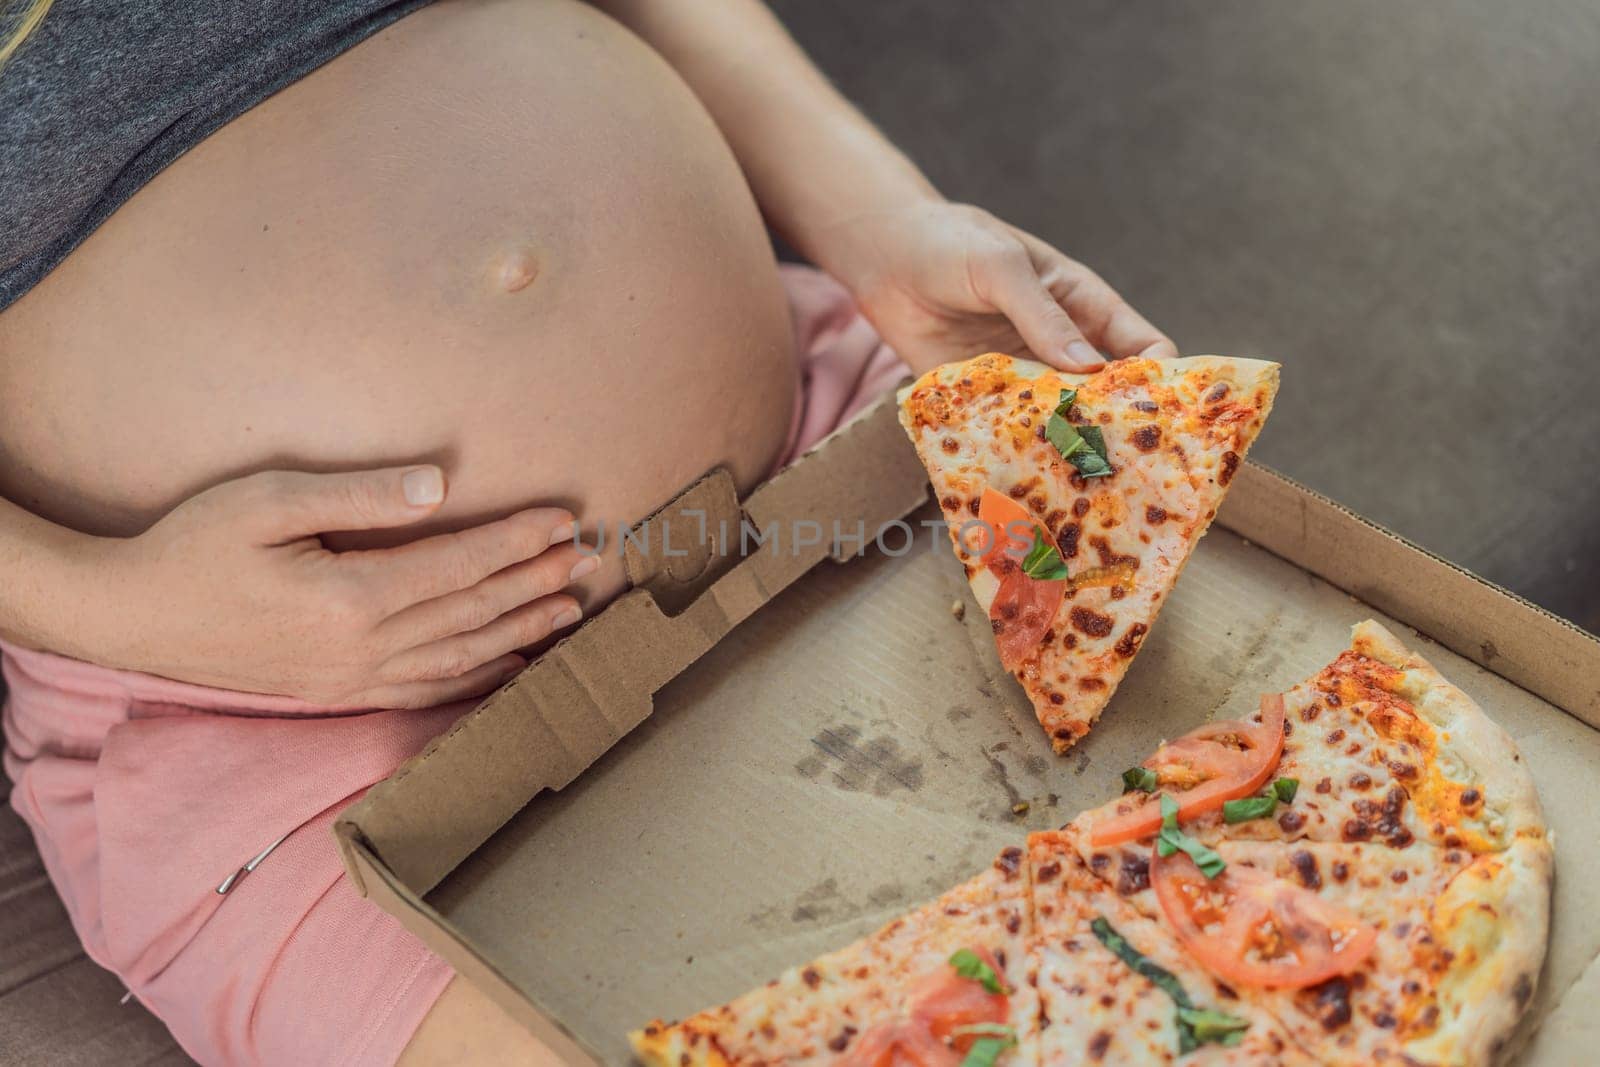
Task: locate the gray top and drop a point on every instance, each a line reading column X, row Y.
column 105, row 93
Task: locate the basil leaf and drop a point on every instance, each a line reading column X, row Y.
column 1092, row 462
column 1061, row 433
column 986, row 1030
column 1141, row 965
column 1095, row 438
column 1043, row 560
column 1246, row 808
column 1213, row 1027
column 1141, row 778
column 1082, row 446
column 1196, row 1026
column 969, row 964
column 1171, row 839
column 1169, row 813
column 986, row 1050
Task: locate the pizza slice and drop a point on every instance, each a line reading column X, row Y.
column 1116, row 988
column 1365, row 859
column 943, row 986
column 1074, row 500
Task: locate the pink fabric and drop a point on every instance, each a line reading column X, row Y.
column 145, row 794
column 843, row 364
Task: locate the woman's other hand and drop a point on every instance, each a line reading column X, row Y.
column 235, row 589
column 944, row 281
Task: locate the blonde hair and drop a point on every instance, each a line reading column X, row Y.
column 12, row 37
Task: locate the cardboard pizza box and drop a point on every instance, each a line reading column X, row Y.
column 752, row 758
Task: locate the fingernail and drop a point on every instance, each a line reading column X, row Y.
column 563, row 533
column 423, row 486
column 1083, row 354
column 586, row 565
column 567, row 618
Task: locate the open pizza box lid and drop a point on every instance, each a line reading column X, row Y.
column 778, row 754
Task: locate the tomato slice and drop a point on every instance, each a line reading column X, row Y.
column 940, row 1004
column 946, row 1002
column 1248, row 927
column 1220, row 761
column 1007, row 530
column 1023, row 607
column 900, row 1044
column 1021, row 614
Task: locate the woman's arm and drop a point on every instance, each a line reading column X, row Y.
column 234, row 588
column 940, row 281
column 814, row 162
column 43, row 578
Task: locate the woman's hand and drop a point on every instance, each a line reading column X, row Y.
column 234, row 589
column 944, row 281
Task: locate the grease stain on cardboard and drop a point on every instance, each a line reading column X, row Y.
column 853, row 762
column 824, row 903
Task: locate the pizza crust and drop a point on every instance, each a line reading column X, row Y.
column 1473, row 749
column 658, row 1046
column 1495, row 914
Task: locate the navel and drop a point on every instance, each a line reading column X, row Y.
column 515, row 270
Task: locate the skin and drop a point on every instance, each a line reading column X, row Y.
column 445, row 257
column 465, row 1027
column 348, row 302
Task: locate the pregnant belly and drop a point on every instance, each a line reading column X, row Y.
column 500, row 236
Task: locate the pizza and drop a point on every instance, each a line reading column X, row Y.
column 1413, row 824
column 931, row 987
column 1073, row 501
column 1358, row 873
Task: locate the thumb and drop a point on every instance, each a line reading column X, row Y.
column 1015, row 288
column 287, row 505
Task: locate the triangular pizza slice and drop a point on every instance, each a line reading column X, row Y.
column 1074, row 500
column 944, row 985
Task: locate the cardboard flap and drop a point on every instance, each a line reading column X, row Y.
column 1493, row 627
column 676, row 553
column 433, row 930
column 870, row 483
column 700, row 567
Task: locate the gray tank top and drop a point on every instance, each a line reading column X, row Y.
column 105, row 93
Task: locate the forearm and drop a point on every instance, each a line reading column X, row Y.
column 813, row 160
column 42, row 579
